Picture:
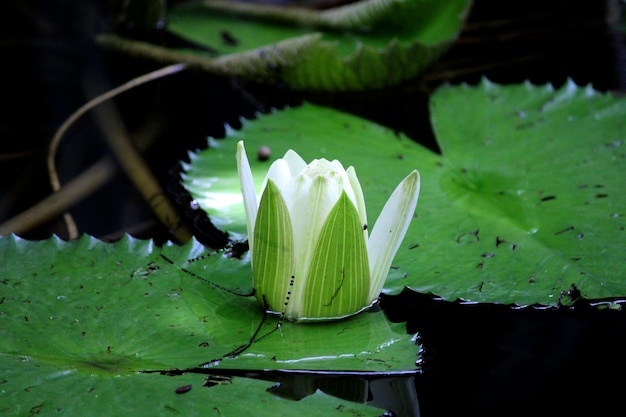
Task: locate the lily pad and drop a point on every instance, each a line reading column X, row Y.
column 88, row 325
column 365, row 45
column 524, row 204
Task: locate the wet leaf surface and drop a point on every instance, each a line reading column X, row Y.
column 367, row 45
column 524, row 204
column 83, row 322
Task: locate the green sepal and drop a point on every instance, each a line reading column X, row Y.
column 338, row 281
column 273, row 250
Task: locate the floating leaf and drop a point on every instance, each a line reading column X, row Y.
column 87, row 326
column 524, row 203
column 360, row 46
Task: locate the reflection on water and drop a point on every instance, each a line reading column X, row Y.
column 396, row 394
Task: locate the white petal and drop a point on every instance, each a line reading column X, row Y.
column 295, row 162
column 317, row 167
column 279, row 172
column 389, row 230
column 309, row 202
column 247, row 190
column 337, row 166
column 335, row 171
column 284, row 169
column 344, row 182
column 359, row 200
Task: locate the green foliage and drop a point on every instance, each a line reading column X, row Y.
column 86, row 325
column 361, row 46
column 525, row 201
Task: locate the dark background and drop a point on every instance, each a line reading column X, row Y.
column 482, row 359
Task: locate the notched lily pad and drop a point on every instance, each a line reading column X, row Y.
column 524, row 204
column 83, row 322
column 365, row 45
column 530, row 167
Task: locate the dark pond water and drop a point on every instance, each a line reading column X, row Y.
column 498, row 360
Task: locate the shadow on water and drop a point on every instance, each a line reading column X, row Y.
column 395, row 393
column 498, row 360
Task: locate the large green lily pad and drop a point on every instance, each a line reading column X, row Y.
column 525, row 201
column 365, row 45
column 86, row 326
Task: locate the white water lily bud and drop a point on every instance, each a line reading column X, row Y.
column 312, row 255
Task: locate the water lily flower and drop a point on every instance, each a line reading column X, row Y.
column 312, row 254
